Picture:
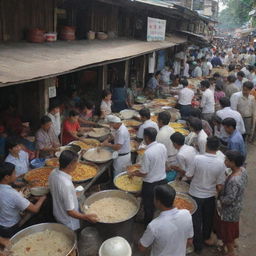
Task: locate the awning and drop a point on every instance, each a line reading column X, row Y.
column 23, row 62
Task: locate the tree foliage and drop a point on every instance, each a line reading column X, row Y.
column 236, row 13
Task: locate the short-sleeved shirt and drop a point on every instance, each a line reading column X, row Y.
column 21, row 163
column 153, row 83
column 200, row 141
column 56, row 123
column 106, row 107
column 236, row 142
column 46, row 139
column 168, row 233
column 122, row 137
column 207, row 170
column 64, row 198
column 185, row 96
column 186, row 157
column 11, row 204
column 69, row 127
column 207, row 102
column 146, row 124
column 154, row 162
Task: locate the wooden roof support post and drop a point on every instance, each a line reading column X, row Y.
column 127, row 72
column 104, row 76
column 144, row 70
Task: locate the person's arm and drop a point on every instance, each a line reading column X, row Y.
column 203, row 101
column 230, row 195
column 115, row 147
column 86, row 122
column 34, row 208
column 147, row 240
column 88, row 217
column 191, row 170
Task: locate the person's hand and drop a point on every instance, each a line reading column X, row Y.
column 5, row 242
column 41, row 198
column 91, row 218
column 105, row 143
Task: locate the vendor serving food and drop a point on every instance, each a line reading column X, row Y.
column 65, row 203
column 121, row 144
column 12, row 202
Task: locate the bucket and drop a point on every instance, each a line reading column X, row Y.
column 68, row 33
column 50, row 37
column 35, row 35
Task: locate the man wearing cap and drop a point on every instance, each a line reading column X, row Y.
column 121, row 144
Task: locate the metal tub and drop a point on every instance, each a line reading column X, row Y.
column 50, row 226
column 123, row 228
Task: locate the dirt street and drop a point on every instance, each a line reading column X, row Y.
column 247, row 240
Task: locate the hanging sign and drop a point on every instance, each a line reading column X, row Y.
column 156, row 29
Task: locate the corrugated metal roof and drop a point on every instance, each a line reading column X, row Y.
column 23, row 62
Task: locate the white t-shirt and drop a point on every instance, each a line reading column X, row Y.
column 185, row 96
column 146, row 124
column 153, row 162
column 168, row 233
column 122, row 137
column 106, row 107
column 21, row 163
column 200, row 141
column 207, row 102
column 64, row 198
column 197, row 72
column 56, row 123
column 186, row 157
column 11, row 204
column 227, row 112
column 207, row 170
column 163, row 137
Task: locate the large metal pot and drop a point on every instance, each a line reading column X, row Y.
column 123, row 228
column 48, row 226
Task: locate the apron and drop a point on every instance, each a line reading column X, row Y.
column 121, row 163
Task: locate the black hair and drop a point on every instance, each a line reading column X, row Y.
column 240, row 73
column 229, row 122
column 196, row 124
column 196, row 112
column 145, row 112
column 73, row 113
column 219, row 87
column 205, row 84
column 248, row 85
column 157, row 73
column 45, row 120
column 231, row 67
column 250, row 68
column 85, row 104
column 216, row 119
column 178, row 138
column 225, row 102
column 165, row 194
column 150, row 133
column 66, row 157
column 54, row 103
column 6, row 169
column 105, row 93
column 12, row 142
column 164, row 117
column 216, row 75
column 231, row 78
column 184, row 82
column 213, row 143
column 236, row 157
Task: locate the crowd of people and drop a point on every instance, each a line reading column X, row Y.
column 220, row 114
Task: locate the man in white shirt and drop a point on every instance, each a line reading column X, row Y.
column 164, row 134
column 186, row 96
column 207, row 101
column 240, row 80
column 145, row 118
column 12, row 203
column 227, row 112
column 17, row 156
column 208, row 176
column 171, row 231
column 65, row 203
column 200, row 140
column 153, row 171
column 197, row 72
column 245, row 104
column 121, row 144
column 185, row 156
column 54, row 114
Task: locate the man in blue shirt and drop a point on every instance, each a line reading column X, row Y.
column 235, row 139
column 216, row 61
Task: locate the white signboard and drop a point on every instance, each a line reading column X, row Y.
column 52, row 92
column 156, row 29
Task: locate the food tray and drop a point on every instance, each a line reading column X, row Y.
column 188, row 199
column 113, row 155
column 131, row 123
column 179, row 186
column 130, row 191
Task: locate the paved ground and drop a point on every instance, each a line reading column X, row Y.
column 247, row 240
